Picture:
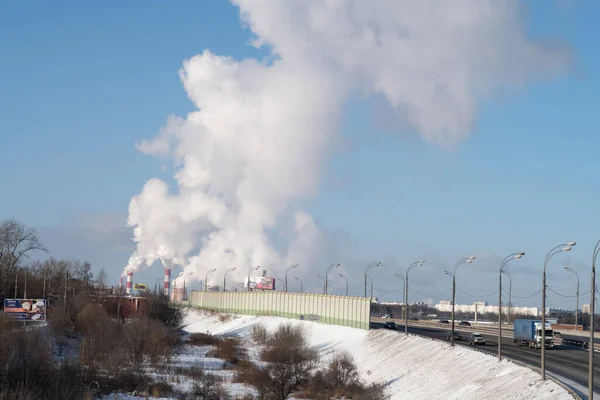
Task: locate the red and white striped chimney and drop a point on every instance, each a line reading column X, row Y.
column 167, row 281
column 128, row 287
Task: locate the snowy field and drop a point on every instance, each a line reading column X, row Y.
column 410, row 367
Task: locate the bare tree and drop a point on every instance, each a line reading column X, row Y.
column 341, row 380
column 101, row 278
column 289, row 361
column 16, row 242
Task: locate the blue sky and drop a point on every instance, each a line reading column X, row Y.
column 82, row 83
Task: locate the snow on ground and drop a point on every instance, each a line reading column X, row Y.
column 411, row 367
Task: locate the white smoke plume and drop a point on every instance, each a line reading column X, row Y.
column 257, row 144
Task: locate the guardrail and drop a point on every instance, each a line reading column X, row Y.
column 584, row 344
column 484, row 329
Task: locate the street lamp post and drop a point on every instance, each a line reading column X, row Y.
column 188, row 274
column 592, row 300
column 206, row 278
column 555, row 250
column 321, row 277
column 376, row 264
column 576, row 295
column 286, row 274
column 156, row 285
column 399, row 275
column 510, row 257
column 411, row 266
column 183, row 291
column 300, row 280
column 466, row 260
column 332, row 266
column 509, row 295
column 346, row 278
column 225, row 278
column 250, row 273
column 371, row 279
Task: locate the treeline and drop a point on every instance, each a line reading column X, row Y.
column 85, row 352
column 86, row 348
column 23, row 275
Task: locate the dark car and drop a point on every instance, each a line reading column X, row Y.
column 464, row 323
column 390, row 325
column 476, row 339
column 456, row 336
column 443, row 321
column 413, row 318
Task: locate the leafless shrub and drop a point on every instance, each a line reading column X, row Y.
column 29, row 371
column 202, row 339
column 224, row 317
column 146, row 339
column 20, row 393
column 194, row 373
column 259, row 334
column 249, row 373
column 207, row 386
column 340, row 379
column 160, row 389
column 162, row 344
column 101, row 334
column 128, row 381
column 373, row 391
column 228, row 349
column 289, row 360
column 342, row 370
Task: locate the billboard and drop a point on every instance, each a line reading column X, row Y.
column 140, row 287
column 25, row 309
column 260, row 283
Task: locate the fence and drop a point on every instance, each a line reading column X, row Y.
column 354, row 312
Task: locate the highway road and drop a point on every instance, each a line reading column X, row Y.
column 568, row 361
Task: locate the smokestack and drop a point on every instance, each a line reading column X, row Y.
column 128, row 287
column 167, row 281
column 120, row 284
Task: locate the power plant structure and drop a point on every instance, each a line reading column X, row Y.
column 167, row 282
column 129, row 283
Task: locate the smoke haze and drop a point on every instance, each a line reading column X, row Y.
column 257, row 144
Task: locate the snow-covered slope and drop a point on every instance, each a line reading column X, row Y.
column 411, row 367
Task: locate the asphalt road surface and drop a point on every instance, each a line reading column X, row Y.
column 568, row 361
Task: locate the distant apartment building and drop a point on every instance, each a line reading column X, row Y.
column 585, row 308
column 482, row 307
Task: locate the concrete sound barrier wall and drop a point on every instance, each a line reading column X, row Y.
column 354, row 312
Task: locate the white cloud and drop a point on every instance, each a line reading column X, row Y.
column 257, row 144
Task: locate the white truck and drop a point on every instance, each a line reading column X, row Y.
column 528, row 332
